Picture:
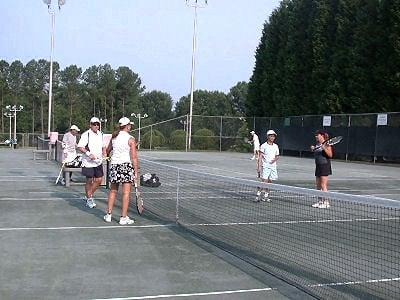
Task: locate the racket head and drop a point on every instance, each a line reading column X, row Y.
column 139, row 200
column 333, row 141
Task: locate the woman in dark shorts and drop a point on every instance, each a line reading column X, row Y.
column 323, row 154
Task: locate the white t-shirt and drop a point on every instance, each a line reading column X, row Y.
column 69, row 146
column 121, row 149
column 256, row 142
column 269, row 152
column 95, row 143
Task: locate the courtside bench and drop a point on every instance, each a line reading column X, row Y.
column 46, row 153
column 67, row 172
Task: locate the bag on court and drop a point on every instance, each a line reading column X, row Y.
column 150, row 180
column 75, row 163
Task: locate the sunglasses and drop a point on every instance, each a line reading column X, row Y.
column 95, row 124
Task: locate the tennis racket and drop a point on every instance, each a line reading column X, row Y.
column 59, row 174
column 246, row 140
column 139, row 199
column 333, row 141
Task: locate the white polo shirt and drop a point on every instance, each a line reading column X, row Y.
column 95, row 143
column 69, row 146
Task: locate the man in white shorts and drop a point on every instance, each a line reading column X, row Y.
column 267, row 157
column 256, row 144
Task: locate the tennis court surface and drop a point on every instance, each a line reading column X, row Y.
column 202, row 236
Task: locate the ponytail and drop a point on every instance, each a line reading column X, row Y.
column 116, row 132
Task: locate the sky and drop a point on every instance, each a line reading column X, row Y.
column 151, row 37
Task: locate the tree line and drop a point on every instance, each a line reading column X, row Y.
column 327, row 56
column 98, row 91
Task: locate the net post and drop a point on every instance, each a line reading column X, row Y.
column 177, row 198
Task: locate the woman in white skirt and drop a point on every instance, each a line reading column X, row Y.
column 123, row 170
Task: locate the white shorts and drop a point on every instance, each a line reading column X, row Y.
column 256, row 147
column 269, row 173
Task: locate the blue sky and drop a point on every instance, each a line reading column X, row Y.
column 152, row 37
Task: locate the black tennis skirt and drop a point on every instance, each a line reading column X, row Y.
column 323, row 170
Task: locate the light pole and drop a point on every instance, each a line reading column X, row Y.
column 14, row 109
column 103, row 120
column 195, row 4
column 139, row 117
column 10, row 116
column 53, row 20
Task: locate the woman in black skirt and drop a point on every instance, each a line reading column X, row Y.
column 322, row 153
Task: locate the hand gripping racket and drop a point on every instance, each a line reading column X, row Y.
column 139, row 199
column 333, row 141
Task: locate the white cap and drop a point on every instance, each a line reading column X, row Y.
column 252, row 132
column 271, row 132
column 74, row 127
column 124, row 121
column 94, row 120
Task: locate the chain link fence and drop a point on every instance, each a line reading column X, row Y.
column 365, row 136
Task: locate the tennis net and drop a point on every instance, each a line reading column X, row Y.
column 348, row 251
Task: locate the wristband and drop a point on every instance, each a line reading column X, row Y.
column 88, row 153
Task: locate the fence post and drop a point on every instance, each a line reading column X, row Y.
column 348, row 137
column 220, row 135
column 177, row 198
column 376, row 137
column 151, row 136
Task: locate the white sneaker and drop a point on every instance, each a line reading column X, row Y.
column 266, row 197
column 324, row 204
column 258, row 197
column 126, row 221
column 107, row 218
column 253, row 158
column 90, row 203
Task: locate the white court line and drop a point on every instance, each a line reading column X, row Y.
column 191, row 294
column 356, row 282
column 24, row 176
column 23, row 180
column 84, row 227
column 47, row 199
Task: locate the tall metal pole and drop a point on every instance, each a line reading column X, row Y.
column 12, row 112
column 9, row 115
column 139, row 131
column 51, row 11
column 195, row 4
column 53, row 21
column 15, row 126
column 192, row 77
column 11, row 144
column 139, row 117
